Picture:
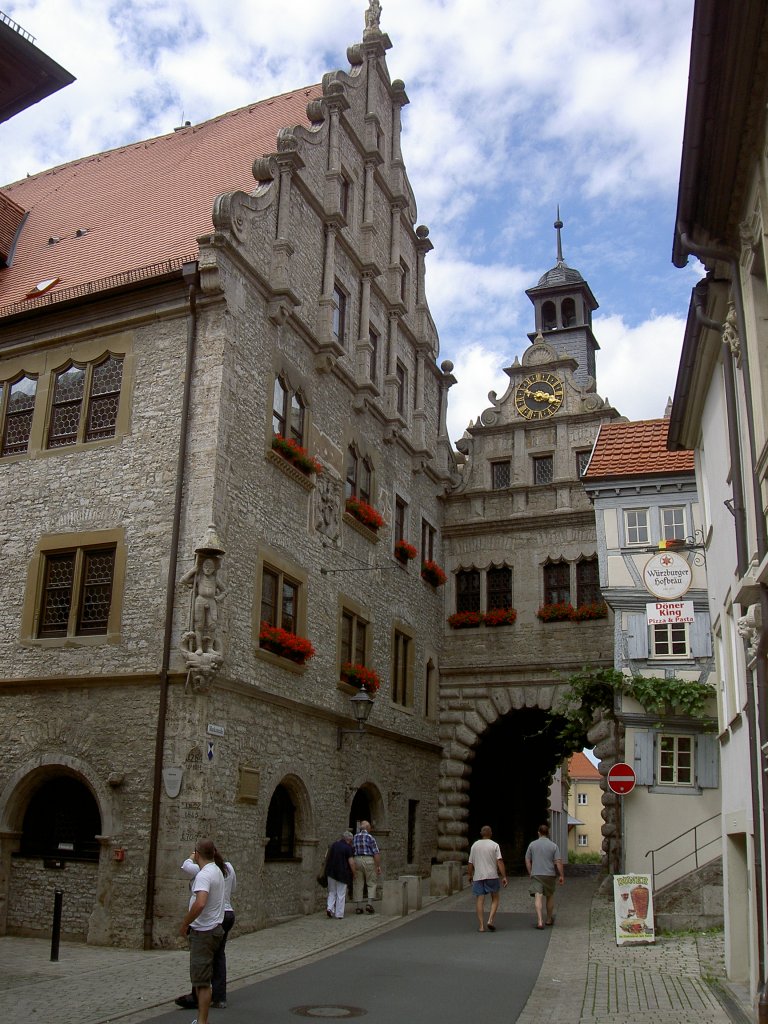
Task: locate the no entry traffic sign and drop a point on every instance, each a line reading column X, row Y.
column 621, row 778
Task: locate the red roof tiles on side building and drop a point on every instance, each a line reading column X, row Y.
column 580, row 767
column 636, row 449
column 139, row 205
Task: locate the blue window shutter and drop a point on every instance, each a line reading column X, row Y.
column 701, row 637
column 637, row 636
column 643, row 760
column 707, row 761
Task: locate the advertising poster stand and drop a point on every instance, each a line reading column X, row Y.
column 633, row 909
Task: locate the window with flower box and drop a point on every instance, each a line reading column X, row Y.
column 588, row 582
column 468, row 590
column 281, row 605
column 498, row 584
column 359, row 476
column 557, row 583
column 288, row 412
column 428, row 535
column 353, row 638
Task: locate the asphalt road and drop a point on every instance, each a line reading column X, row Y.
column 436, row 969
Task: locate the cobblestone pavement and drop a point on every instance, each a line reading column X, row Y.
column 585, row 977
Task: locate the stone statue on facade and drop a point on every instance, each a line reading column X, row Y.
column 731, row 334
column 373, row 16
column 750, row 627
column 201, row 644
column 328, row 506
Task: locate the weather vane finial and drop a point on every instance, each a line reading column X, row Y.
column 558, row 229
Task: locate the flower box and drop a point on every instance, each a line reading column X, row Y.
column 404, row 551
column 500, row 617
column 364, row 513
column 292, row 452
column 465, row 620
column 593, row 610
column 432, row 573
column 360, row 677
column 287, row 645
column 567, row 613
column 560, row 612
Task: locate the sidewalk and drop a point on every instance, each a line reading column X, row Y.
column 585, row 977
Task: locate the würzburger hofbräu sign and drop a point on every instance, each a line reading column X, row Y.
column 667, row 575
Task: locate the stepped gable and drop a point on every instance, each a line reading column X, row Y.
column 636, row 449
column 138, row 206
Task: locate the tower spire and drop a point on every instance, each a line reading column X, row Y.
column 558, row 229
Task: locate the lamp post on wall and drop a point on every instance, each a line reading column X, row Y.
column 362, row 703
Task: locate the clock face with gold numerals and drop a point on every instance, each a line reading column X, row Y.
column 539, row 396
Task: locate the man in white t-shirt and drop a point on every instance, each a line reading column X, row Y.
column 483, row 870
column 202, row 922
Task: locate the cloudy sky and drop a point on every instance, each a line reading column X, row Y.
column 516, row 106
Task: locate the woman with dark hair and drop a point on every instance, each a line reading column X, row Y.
column 219, row 1001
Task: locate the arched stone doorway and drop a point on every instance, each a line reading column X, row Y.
column 509, row 785
column 497, row 763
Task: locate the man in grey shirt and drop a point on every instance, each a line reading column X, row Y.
column 544, row 864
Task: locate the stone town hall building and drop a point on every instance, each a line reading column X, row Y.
column 220, row 411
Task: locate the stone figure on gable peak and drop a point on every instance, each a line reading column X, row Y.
column 373, row 16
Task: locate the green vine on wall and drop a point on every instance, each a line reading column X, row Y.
column 594, row 690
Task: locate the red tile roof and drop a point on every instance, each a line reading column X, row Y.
column 580, row 767
column 142, row 204
column 636, row 449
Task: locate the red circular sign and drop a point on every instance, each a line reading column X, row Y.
column 621, row 778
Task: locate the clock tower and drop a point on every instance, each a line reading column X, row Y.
column 563, row 304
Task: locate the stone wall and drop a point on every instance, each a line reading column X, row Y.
column 30, row 907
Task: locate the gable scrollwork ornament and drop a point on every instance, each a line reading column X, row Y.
column 201, row 644
column 327, row 511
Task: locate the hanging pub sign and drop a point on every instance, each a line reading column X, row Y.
column 663, row 612
column 667, row 576
column 633, row 905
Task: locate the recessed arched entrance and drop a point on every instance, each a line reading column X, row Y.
column 509, row 784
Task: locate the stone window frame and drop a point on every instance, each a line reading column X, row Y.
column 497, row 467
column 403, row 663
column 583, row 456
column 548, row 588
column 470, row 598
column 276, row 561
column 86, row 401
column 490, row 595
column 50, row 543
column 583, row 587
column 43, row 367
column 428, row 540
column 353, row 483
column 340, row 314
column 537, row 461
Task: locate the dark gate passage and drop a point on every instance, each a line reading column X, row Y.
column 509, row 786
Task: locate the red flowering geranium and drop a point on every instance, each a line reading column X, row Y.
column 364, row 513
column 500, row 617
column 465, row 620
column 404, row 551
column 593, row 610
column 560, row 612
column 287, row 645
column 432, row 573
column 292, row 452
column 361, row 677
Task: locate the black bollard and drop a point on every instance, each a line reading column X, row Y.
column 58, row 898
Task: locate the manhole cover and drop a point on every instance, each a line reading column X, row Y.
column 329, row 1012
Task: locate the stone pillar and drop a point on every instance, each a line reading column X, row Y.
column 394, row 899
column 413, row 891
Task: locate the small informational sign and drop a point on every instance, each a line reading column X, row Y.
column 621, row 778
column 667, row 575
column 215, row 730
column 209, row 755
column 633, row 906
column 663, row 612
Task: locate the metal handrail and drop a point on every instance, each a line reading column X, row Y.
column 692, row 853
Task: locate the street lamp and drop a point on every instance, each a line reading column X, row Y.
column 362, row 703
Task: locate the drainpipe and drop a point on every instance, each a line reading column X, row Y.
column 757, row 694
column 191, row 276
